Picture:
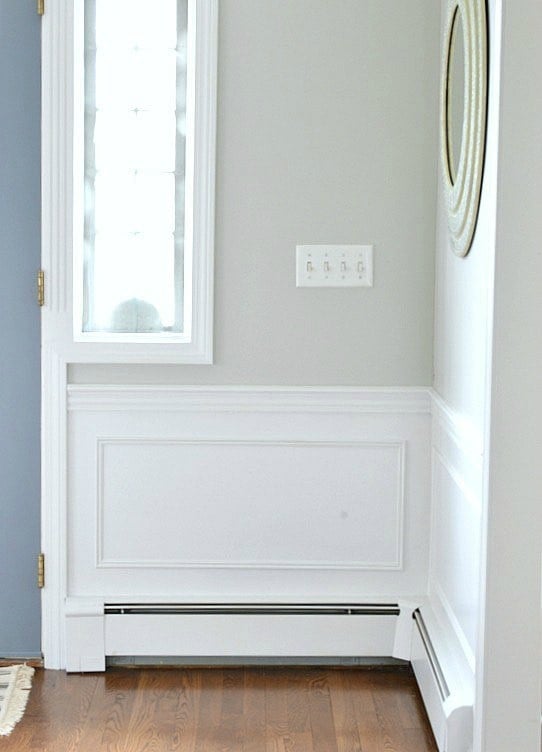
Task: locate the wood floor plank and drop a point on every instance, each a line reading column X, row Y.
column 371, row 735
column 298, row 701
column 252, row 709
column 164, row 712
column 281, row 736
column 344, row 714
column 389, row 719
column 232, row 720
column 324, row 738
column 209, row 712
column 110, row 711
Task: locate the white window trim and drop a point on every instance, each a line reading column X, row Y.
column 62, row 184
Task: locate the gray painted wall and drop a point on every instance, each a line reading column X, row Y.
column 327, row 132
column 19, row 329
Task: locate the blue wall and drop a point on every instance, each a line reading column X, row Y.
column 19, row 326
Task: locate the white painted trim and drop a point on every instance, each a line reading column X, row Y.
column 61, row 202
column 85, row 635
column 249, row 398
column 394, row 565
column 458, row 447
column 449, row 622
column 53, row 505
column 459, row 428
column 468, row 491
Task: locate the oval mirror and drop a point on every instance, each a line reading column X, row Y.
column 455, row 98
column 463, row 117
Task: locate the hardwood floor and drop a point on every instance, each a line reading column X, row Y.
column 252, row 709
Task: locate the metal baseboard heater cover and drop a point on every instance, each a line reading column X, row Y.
column 221, row 629
column 434, row 662
column 251, row 609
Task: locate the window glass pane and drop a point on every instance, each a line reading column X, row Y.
column 147, row 203
column 136, row 79
column 135, row 84
column 136, row 294
column 136, row 23
column 135, row 141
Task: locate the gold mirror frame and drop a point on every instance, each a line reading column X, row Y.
column 462, row 193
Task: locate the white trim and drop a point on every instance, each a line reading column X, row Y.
column 448, row 619
column 458, row 447
column 250, row 398
column 458, row 478
column 395, row 564
column 53, row 505
column 61, row 227
column 468, row 438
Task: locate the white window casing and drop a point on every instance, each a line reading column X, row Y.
column 63, row 203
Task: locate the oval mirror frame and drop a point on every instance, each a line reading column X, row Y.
column 462, row 190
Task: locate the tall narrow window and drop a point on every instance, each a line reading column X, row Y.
column 129, row 124
column 135, row 262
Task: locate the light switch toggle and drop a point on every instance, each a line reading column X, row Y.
column 334, row 266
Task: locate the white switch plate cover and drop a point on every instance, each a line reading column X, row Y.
column 334, row 265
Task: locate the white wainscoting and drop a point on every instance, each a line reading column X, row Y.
column 452, row 608
column 246, row 495
column 457, row 492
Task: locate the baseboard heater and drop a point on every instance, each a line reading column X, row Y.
column 448, row 705
column 282, row 609
column 250, row 629
column 432, row 659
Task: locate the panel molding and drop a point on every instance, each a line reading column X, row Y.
column 103, row 563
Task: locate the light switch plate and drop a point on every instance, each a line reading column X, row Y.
column 334, row 266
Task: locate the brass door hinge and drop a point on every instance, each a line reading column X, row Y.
column 41, row 287
column 41, row 7
column 41, row 570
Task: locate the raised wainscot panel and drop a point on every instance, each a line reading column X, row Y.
column 168, row 503
column 247, row 495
